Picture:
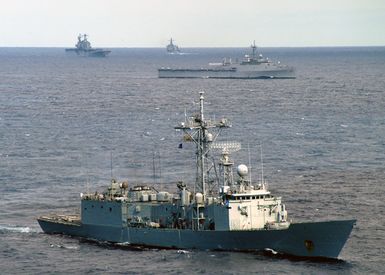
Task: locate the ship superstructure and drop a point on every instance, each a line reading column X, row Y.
column 83, row 48
column 221, row 211
column 252, row 66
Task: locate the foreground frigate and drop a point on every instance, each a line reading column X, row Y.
column 253, row 66
column 221, row 212
column 83, row 48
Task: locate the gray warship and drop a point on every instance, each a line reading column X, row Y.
column 171, row 48
column 253, row 66
column 83, row 48
column 223, row 210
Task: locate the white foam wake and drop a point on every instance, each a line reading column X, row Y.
column 15, row 228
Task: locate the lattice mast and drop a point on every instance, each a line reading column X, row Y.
column 203, row 133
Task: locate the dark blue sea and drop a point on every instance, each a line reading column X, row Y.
column 68, row 124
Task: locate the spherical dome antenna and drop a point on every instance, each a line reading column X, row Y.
column 242, row 170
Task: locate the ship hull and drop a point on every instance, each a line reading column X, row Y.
column 315, row 239
column 240, row 72
column 90, row 52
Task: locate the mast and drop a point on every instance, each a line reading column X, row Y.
column 202, row 147
column 203, row 133
column 254, row 50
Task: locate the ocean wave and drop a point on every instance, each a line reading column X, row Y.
column 15, row 229
column 75, row 247
column 183, row 251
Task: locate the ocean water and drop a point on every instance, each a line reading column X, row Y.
column 68, row 123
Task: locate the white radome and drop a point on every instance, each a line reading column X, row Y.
column 242, row 170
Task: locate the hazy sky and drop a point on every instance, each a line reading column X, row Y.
column 193, row 23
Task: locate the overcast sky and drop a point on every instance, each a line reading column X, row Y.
column 193, row 23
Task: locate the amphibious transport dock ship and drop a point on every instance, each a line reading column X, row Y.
column 253, row 66
column 221, row 211
column 83, row 48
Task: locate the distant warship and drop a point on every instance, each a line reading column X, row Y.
column 253, row 66
column 220, row 212
column 172, row 48
column 83, row 48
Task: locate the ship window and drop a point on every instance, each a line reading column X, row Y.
column 101, row 206
column 110, row 209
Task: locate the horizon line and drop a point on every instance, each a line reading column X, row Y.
column 206, row 47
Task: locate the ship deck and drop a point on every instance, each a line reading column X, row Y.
column 63, row 219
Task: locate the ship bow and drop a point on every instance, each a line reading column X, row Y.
column 316, row 239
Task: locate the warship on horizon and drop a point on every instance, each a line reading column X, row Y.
column 172, row 48
column 220, row 212
column 83, row 48
column 253, row 66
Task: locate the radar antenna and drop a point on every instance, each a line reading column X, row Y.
column 196, row 129
column 225, row 163
column 229, row 146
